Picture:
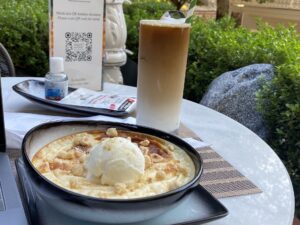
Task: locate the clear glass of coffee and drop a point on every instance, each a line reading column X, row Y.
column 163, row 49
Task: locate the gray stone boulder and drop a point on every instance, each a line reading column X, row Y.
column 233, row 94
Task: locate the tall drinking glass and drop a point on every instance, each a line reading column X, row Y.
column 163, row 49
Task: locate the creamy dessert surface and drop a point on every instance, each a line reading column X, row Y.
column 66, row 163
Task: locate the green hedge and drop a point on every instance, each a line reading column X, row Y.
column 24, row 32
column 217, row 47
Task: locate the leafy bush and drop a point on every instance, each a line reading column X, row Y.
column 24, row 32
column 217, row 47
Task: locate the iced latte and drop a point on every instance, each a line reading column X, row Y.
column 163, row 49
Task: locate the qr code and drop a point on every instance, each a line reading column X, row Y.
column 78, row 46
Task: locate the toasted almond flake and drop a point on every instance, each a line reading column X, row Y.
column 145, row 142
column 112, row 132
column 77, row 170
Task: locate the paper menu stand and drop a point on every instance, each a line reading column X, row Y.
column 76, row 34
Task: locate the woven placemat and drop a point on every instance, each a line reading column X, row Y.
column 219, row 177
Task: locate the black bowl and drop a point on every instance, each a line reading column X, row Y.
column 94, row 209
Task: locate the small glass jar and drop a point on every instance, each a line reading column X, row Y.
column 56, row 81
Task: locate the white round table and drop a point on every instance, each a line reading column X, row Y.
column 234, row 142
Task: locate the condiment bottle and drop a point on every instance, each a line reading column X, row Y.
column 56, row 81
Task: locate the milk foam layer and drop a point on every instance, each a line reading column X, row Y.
column 165, row 23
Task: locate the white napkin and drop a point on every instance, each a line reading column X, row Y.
column 18, row 124
column 195, row 143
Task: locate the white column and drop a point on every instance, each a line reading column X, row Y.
column 115, row 39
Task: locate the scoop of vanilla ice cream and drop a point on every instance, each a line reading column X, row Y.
column 116, row 160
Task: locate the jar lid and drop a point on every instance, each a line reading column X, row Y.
column 56, row 65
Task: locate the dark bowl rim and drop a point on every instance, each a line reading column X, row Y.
column 188, row 148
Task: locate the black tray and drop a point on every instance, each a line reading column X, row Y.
column 34, row 91
column 200, row 207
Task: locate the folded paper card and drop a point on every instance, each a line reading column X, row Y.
column 76, row 34
column 95, row 99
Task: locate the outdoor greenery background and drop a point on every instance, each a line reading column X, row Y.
column 24, row 32
column 215, row 47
